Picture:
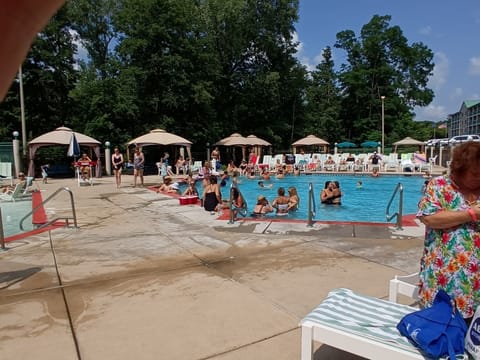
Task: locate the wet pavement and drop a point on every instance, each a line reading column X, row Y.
column 146, row 278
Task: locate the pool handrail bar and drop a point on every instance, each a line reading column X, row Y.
column 231, row 206
column 66, row 218
column 311, row 205
column 399, row 214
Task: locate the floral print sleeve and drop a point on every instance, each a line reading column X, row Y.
column 451, row 256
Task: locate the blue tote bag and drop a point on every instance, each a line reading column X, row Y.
column 436, row 331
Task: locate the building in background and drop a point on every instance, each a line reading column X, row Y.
column 466, row 121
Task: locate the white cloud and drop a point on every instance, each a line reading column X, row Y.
column 295, row 39
column 475, row 65
column 431, row 112
column 318, row 59
column 81, row 53
column 304, row 60
column 440, row 71
column 457, row 94
column 427, row 30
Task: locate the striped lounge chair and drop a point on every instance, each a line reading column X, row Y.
column 362, row 325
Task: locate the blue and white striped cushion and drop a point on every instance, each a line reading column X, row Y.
column 362, row 315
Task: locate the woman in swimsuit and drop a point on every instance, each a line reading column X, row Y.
column 331, row 195
column 212, row 197
column 138, row 165
column 281, row 202
column 293, row 199
column 262, row 207
column 117, row 163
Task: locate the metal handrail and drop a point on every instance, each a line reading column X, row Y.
column 311, row 205
column 242, row 211
column 66, row 218
column 399, row 214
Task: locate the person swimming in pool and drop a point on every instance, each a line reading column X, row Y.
column 281, row 202
column 261, row 185
column 331, row 194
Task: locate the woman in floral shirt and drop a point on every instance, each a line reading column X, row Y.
column 450, row 211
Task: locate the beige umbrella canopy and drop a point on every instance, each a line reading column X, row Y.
column 233, row 140
column 160, row 137
column 408, row 141
column 252, row 140
column 61, row 136
column 310, row 140
column 238, row 140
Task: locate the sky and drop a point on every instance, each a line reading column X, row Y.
column 450, row 28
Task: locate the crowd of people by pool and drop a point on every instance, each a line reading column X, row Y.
column 209, row 184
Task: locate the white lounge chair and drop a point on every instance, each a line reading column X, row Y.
column 358, row 324
column 81, row 180
column 6, row 172
column 18, row 193
column 405, row 285
column 266, row 160
column 392, row 163
column 197, row 165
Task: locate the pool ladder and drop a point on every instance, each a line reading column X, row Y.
column 242, row 211
column 65, row 218
column 311, row 205
column 399, row 213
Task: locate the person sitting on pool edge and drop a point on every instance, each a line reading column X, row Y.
column 262, row 207
column 331, row 194
column 281, row 202
column 238, row 205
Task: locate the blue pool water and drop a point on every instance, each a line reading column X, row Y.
column 12, row 213
column 365, row 204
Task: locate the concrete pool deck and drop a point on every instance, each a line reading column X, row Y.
column 146, row 278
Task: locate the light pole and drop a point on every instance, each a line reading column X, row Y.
column 108, row 160
column 383, row 123
column 22, row 112
column 16, row 153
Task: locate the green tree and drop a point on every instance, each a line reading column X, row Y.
column 323, row 102
column 105, row 96
column 381, row 63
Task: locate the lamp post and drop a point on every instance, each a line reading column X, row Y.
column 108, row 159
column 16, row 152
column 383, row 123
column 22, row 112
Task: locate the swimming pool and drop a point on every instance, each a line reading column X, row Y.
column 12, row 213
column 365, row 204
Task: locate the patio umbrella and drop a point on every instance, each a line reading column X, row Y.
column 74, row 147
column 369, row 144
column 346, row 144
column 62, row 136
column 160, row 137
column 233, row 140
column 408, row 141
column 256, row 141
column 310, row 140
